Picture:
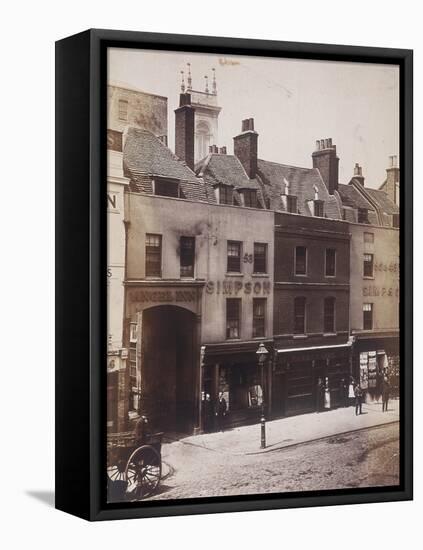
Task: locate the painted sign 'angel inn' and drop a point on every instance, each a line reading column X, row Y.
column 211, row 254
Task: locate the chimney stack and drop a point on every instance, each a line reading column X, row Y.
column 358, row 174
column 326, row 161
column 245, row 147
column 184, row 130
column 393, row 179
column 223, row 150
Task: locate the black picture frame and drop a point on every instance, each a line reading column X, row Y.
column 81, row 271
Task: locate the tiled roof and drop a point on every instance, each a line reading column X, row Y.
column 227, row 170
column 302, row 183
column 351, row 197
column 146, row 157
column 383, row 201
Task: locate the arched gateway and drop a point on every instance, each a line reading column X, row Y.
column 167, row 322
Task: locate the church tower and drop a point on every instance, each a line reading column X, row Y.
column 206, row 113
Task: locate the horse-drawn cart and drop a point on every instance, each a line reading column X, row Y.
column 134, row 470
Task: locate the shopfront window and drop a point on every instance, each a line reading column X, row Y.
column 259, row 314
column 233, row 318
column 234, row 256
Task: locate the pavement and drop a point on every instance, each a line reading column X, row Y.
column 293, row 430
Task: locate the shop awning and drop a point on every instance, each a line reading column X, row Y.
column 314, row 348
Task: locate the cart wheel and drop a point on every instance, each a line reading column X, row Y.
column 143, row 472
column 117, row 471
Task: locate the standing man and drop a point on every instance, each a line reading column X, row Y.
column 320, row 390
column 221, row 408
column 385, row 393
column 358, row 393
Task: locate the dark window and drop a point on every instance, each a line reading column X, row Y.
column 226, row 195
column 363, row 215
column 300, row 260
column 260, row 258
column 368, row 265
column 329, row 315
column 299, row 315
column 259, row 315
column 187, row 255
column 367, row 316
column 153, row 255
column 123, row 109
column 330, row 264
column 166, row 188
column 250, row 198
column 291, row 204
column 233, row 315
column 234, row 256
column 319, row 208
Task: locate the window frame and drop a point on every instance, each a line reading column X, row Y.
column 121, row 102
column 371, row 310
column 237, row 319
column 260, row 319
column 290, row 201
column 304, row 316
column 159, row 254
column 158, row 182
column 228, row 189
column 192, row 240
column 329, row 300
column 318, row 204
column 255, row 271
column 228, row 244
column 305, row 263
column 250, row 193
column 372, row 264
column 334, row 262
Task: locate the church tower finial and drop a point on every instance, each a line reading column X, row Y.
column 183, row 83
column 189, row 79
column 207, row 84
column 214, row 86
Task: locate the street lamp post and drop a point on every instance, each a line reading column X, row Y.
column 262, row 353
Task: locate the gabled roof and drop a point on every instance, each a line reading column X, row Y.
column 302, row 184
column 352, row 198
column 383, row 201
column 220, row 169
column 146, row 157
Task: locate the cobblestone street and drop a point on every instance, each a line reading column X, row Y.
column 369, row 457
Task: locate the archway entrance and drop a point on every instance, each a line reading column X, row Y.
column 168, row 369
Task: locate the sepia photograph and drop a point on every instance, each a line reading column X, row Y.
column 253, row 275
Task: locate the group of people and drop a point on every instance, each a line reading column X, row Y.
column 350, row 393
column 214, row 412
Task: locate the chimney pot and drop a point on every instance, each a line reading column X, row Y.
column 223, row 150
column 317, row 144
column 244, row 126
column 322, row 144
column 251, row 124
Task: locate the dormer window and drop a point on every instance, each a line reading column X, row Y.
column 166, row 187
column 363, row 215
column 291, row 204
column 250, row 198
column 225, row 194
column 318, row 208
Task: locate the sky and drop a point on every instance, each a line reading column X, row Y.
column 293, row 103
